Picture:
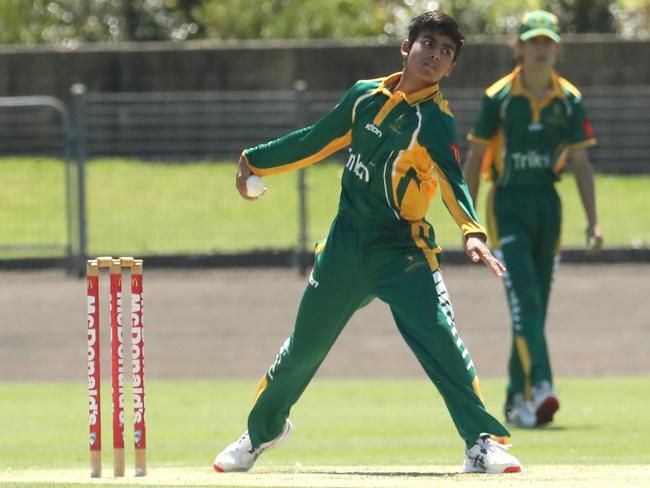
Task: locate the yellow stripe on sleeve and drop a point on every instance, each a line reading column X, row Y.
column 585, row 143
column 329, row 149
column 478, row 140
column 561, row 161
column 464, row 221
column 493, row 231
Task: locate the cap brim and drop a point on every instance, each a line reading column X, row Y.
column 540, row 32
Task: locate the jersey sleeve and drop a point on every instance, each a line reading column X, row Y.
column 488, row 123
column 580, row 132
column 309, row 145
column 453, row 188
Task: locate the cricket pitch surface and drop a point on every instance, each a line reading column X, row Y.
column 559, row 476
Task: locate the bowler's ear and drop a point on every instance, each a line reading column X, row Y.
column 405, row 49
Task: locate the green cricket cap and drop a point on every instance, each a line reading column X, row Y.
column 539, row 23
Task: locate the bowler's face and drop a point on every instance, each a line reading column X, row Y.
column 429, row 58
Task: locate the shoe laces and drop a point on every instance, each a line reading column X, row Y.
column 488, row 444
column 245, row 439
column 253, row 451
column 242, row 440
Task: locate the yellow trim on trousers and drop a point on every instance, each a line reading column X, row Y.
column 477, row 388
column 524, row 357
column 260, row 388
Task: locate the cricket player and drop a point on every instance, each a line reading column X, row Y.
column 531, row 123
column 402, row 148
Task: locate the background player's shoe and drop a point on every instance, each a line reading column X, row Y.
column 545, row 402
column 518, row 413
column 240, row 455
column 488, row 456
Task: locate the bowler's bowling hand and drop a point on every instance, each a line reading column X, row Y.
column 478, row 251
column 243, row 172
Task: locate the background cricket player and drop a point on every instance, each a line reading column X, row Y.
column 532, row 122
column 401, row 135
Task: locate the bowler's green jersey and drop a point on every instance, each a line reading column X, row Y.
column 528, row 136
column 398, row 143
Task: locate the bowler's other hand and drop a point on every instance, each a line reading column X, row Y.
column 243, row 172
column 594, row 239
column 478, row 251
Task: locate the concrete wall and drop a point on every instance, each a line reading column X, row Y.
column 588, row 61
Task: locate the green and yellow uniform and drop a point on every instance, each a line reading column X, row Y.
column 528, row 139
column 402, row 147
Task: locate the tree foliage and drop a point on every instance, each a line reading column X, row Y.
column 69, row 22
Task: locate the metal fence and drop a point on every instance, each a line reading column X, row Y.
column 189, row 126
column 198, row 125
column 42, row 125
column 182, row 126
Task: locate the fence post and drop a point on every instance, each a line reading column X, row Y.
column 78, row 92
column 71, row 199
column 300, row 87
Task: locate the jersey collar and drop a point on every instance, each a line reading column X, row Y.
column 518, row 86
column 411, row 98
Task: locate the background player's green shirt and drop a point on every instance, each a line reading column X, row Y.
column 399, row 143
column 527, row 136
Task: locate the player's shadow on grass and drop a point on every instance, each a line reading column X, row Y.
column 389, row 474
column 560, row 428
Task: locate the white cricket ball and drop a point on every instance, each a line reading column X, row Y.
column 254, row 186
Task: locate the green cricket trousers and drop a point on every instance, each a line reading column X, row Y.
column 359, row 262
column 528, row 220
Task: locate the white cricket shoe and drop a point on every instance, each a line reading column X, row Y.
column 488, row 456
column 240, row 455
column 545, row 402
column 519, row 414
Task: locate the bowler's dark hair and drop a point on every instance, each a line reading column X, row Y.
column 436, row 22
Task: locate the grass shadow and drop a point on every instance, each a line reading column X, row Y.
column 386, row 474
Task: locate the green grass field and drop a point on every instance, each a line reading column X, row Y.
column 344, row 424
column 155, row 208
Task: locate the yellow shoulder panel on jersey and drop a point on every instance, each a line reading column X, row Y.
column 569, row 87
column 501, row 84
column 442, row 104
column 380, row 79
